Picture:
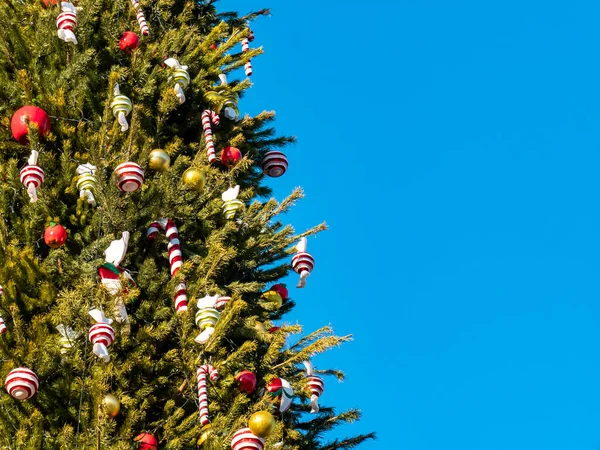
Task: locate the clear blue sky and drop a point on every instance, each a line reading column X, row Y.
column 453, row 148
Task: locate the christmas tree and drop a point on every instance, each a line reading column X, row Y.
column 141, row 253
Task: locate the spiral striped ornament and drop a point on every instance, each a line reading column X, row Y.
column 209, row 116
column 207, row 318
column 222, row 302
column 181, row 77
column 230, row 208
column 130, row 176
column 3, row 329
column 244, row 440
column 32, row 177
column 245, row 45
column 66, row 23
column 175, row 257
column 140, row 18
column 1, row 290
column 102, row 333
column 204, row 370
column 121, row 106
column 86, row 183
column 22, row 383
column 316, row 388
column 274, row 164
column 245, row 48
column 303, row 263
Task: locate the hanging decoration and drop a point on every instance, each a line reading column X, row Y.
column 86, row 182
column 227, row 103
column 209, row 116
column 29, row 115
column 302, row 262
column 206, row 317
column 129, row 42
column 140, row 18
column 121, row 107
column 282, row 390
column 110, row 274
column 175, row 257
column 315, row 386
column 282, row 290
column 246, row 48
column 3, row 329
column 101, row 334
column 68, row 336
column 22, row 383
column 146, row 441
column 55, row 235
column 231, row 203
column 159, row 160
column 247, row 381
column 66, row 22
column 111, row 405
column 230, row 156
column 203, row 371
column 274, row 164
column 262, row 423
column 222, row 302
column 194, row 179
column 244, row 440
column 130, row 176
column 180, row 76
column 32, row 176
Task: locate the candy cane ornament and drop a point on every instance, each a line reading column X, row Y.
column 32, row 176
column 101, row 334
column 66, row 22
column 246, row 48
column 204, row 370
column 302, row 263
column 180, row 76
column 315, row 386
column 175, row 257
column 209, row 116
column 140, row 18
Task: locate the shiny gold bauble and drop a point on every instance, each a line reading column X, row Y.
column 159, row 160
column 204, row 436
column 111, row 404
column 261, row 424
column 273, row 299
column 194, row 179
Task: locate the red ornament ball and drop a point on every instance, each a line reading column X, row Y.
column 230, row 156
column 247, row 381
column 49, row 2
column 129, row 41
column 32, row 114
column 55, row 235
column 281, row 289
column 274, row 329
column 146, row 441
column 214, row 46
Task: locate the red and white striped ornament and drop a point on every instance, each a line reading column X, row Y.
column 248, row 65
column 101, row 334
column 175, row 257
column 203, row 371
column 283, row 391
column 274, row 164
column 130, row 176
column 209, row 116
column 222, row 302
column 2, row 326
column 302, row 263
column 32, row 176
column 244, row 440
column 316, row 386
column 66, row 22
column 140, row 18
column 22, row 383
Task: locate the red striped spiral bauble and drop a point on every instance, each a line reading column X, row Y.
column 102, row 333
column 274, row 164
column 244, row 440
column 22, row 383
column 130, row 176
column 303, row 262
column 32, row 174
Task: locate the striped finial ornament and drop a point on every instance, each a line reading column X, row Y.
column 66, row 22
column 231, row 203
column 274, row 164
column 180, row 76
column 302, row 263
column 209, row 116
column 203, row 371
column 140, row 18
column 121, row 106
column 130, row 176
column 207, row 317
column 22, row 383
column 222, row 302
column 245, row 48
column 282, row 390
column 244, row 440
column 86, row 182
column 32, row 176
column 315, row 385
column 101, row 334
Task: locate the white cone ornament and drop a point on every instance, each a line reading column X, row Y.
column 110, row 274
column 102, row 335
column 180, row 76
column 67, row 339
column 302, row 263
column 203, row 371
column 274, row 164
column 283, row 390
column 206, row 317
column 22, row 383
column 140, row 18
column 315, row 386
column 66, row 22
column 32, row 176
column 86, row 182
column 244, row 440
column 232, row 204
column 209, row 116
column 130, row 176
column 121, row 106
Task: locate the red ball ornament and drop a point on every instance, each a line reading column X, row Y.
column 146, row 441
column 129, row 41
column 274, row 329
column 49, row 2
column 230, row 156
column 281, row 289
column 214, row 46
column 55, row 235
column 247, row 381
column 32, row 114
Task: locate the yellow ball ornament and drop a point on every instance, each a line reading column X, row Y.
column 159, row 160
column 261, row 424
column 111, row 404
column 194, row 179
column 272, row 299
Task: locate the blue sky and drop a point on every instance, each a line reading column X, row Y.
column 453, row 149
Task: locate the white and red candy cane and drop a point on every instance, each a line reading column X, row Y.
column 209, row 116
column 140, row 18
column 175, row 257
column 32, row 176
column 245, row 48
column 203, row 371
column 66, row 22
column 244, row 440
column 315, row 386
column 302, row 263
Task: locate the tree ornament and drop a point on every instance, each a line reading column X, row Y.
column 101, row 334
column 204, row 370
column 222, row 302
column 121, row 107
column 281, row 289
column 274, row 164
column 110, row 274
column 3, row 328
column 247, row 381
column 146, row 441
column 209, row 116
column 130, row 176
column 281, row 390
column 129, row 42
column 180, row 76
column 66, row 22
column 302, row 262
column 245, row 48
column 49, row 2
column 230, row 156
column 32, row 176
column 22, row 383
column 232, row 204
column 175, row 257
column 159, row 160
column 214, row 46
column 206, row 318
column 140, row 18
column 315, row 386
column 68, row 336
column 227, row 103
column 86, row 182
column 273, row 330
column 194, row 179
column 272, row 299
column 262, row 423
column 111, row 405
column 55, row 235
column 244, row 440
column 25, row 115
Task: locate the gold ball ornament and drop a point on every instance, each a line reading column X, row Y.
column 111, row 404
column 261, row 424
column 159, row 160
column 194, row 179
column 273, row 300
